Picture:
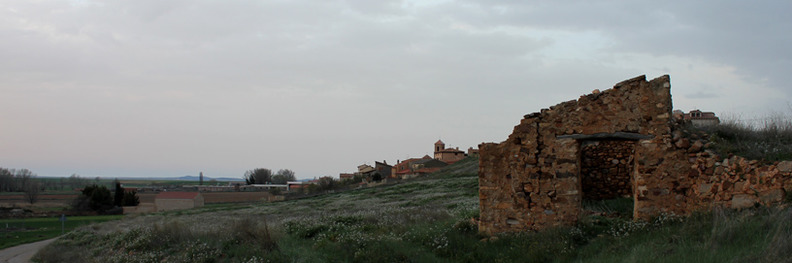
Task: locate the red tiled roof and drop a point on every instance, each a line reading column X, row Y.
column 177, row 195
column 406, row 162
column 439, row 142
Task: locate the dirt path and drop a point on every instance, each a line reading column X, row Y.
column 22, row 253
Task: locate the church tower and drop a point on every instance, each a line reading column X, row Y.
column 438, row 146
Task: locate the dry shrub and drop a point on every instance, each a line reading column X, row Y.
column 61, row 253
column 252, row 230
column 171, row 232
column 726, row 224
column 780, row 247
column 770, row 140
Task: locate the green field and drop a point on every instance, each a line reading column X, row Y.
column 21, row 231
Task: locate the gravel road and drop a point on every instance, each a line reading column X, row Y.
column 22, row 253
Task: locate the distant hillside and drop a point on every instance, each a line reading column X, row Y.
column 465, row 167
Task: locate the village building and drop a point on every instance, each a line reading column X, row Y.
column 701, row 118
column 365, row 169
column 212, row 188
column 402, row 168
column 383, row 169
column 268, row 187
column 426, row 166
column 449, row 155
column 472, row 152
column 346, row 176
column 296, row 185
column 166, row 201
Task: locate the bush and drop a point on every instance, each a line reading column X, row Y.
column 131, row 199
column 94, row 198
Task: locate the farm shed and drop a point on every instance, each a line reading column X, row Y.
column 166, row 201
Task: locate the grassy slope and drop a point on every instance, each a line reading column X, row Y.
column 424, row 220
column 15, row 232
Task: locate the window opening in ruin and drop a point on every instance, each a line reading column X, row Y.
column 606, row 168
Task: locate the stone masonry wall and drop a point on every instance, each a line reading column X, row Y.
column 606, row 169
column 733, row 182
column 533, row 180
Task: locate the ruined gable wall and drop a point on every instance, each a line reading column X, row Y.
column 531, row 181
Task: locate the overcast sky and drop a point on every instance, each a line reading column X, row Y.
column 173, row 88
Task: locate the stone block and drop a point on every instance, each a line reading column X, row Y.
column 705, row 188
column 696, row 147
column 739, row 186
column 785, row 167
column 743, row 201
column 771, row 196
column 682, row 143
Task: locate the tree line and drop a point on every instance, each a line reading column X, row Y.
column 93, row 193
column 265, row 176
column 13, row 180
column 322, row 184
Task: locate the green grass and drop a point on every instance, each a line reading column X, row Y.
column 771, row 141
column 21, row 231
column 422, row 220
column 754, row 235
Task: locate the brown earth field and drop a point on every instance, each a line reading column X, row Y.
column 44, row 201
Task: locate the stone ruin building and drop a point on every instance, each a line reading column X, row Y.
column 621, row 142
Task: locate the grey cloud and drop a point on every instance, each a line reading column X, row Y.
column 702, row 95
column 198, row 81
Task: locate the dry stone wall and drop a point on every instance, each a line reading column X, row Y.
column 734, row 182
column 618, row 142
column 606, row 168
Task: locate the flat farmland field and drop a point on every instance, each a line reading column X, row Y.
column 216, row 197
column 44, row 200
column 47, row 202
column 232, row 197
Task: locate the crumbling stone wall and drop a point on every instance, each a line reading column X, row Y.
column 733, row 182
column 534, row 180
